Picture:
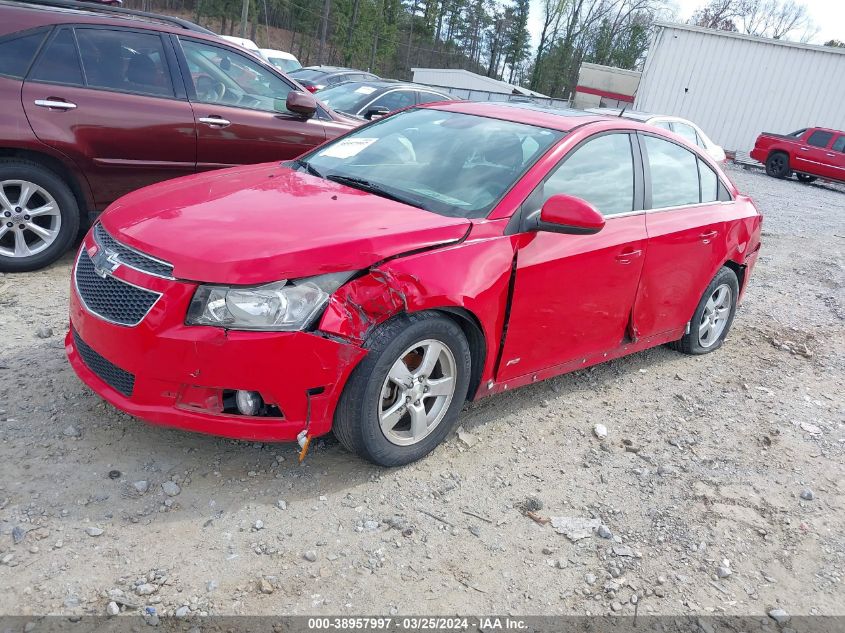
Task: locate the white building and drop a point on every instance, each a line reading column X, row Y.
column 605, row 87
column 467, row 85
column 735, row 86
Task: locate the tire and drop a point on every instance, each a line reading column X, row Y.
column 777, row 165
column 701, row 339
column 373, row 391
column 806, row 178
column 46, row 236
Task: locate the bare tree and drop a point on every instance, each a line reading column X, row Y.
column 778, row 19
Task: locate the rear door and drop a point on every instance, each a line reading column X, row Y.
column 837, row 157
column 108, row 99
column 239, row 107
column 813, row 156
column 573, row 294
column 687, row 235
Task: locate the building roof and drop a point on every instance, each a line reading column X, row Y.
column 752, row 38
column 467, row 80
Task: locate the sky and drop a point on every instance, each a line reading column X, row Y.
column 828, row 15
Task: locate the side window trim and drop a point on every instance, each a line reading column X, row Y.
column 647, row 177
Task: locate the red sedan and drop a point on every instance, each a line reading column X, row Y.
column 374, row 285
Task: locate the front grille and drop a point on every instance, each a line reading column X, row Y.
column 131, row 257
column 117, row 378
column 111, row 298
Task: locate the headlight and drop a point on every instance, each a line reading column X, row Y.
column 279, row 306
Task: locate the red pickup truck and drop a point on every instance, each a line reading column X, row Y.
column 810, row 153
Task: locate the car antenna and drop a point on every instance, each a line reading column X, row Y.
column 622, row 111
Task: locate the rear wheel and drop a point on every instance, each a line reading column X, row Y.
column 39, row 216
column 713, row 316
column 405, row 396
column 806, row 178
column 777, row 165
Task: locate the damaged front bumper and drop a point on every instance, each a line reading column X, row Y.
column 172, row 374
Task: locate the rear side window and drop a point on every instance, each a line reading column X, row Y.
column 394, row 100
column 429, row 97
column 124, row 61
column 59, row 61
column 709, row 182
column 839, row 144
column 674, row 174
column 601, row 172
column 819, row 138
column 686, row 131
column 16, row 54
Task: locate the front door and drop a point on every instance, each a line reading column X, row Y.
column 837, row 157
column 121, row 121
column 687, row 227
column 240, row 111
column 573, row 294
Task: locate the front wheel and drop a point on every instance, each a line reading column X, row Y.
column 713, row 316
column 405, row 396
column 39, row 216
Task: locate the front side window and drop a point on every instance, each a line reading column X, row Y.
column 124, row 61
column 674, row 173
column 348, row 97
column 839, row 144
column 16, row 53
column 601, row 171
column 819, row 138
column 458, row 165
column 430, row 97
column 59, row 61
column 223, row 77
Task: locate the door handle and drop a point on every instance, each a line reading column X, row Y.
column 57, row 104
column 831, row 155
column 709, row 235
column 215, row 121
column 626, row 256
column 804, row 149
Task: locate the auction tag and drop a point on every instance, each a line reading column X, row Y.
column 347, row 147
column 365, row 90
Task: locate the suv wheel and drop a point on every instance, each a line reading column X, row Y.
column 39, row 216
column 405, row 395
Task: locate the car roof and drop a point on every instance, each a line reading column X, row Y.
column 391, row 84
column 50, row 12
column 274, row 52
column 562, row 119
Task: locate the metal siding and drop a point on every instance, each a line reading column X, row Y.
column 739, row 87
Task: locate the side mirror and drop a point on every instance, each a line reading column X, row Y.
column 301, row 103
column 376, row 113
column 571, row 215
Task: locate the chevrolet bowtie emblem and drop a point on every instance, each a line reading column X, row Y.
column 105, row 262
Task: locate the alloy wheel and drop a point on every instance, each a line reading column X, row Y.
column 417, row 392
column 714, row 318
column 30, row 218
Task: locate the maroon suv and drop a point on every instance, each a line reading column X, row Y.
column 97, row 102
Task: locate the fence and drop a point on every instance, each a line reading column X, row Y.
column 485, row 95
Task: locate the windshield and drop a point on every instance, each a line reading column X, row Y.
column 347, row 97
column 458, row 165
column 285, row 65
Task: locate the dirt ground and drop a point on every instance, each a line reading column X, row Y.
column 698, row 484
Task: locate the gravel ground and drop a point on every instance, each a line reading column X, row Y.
column 720, row 486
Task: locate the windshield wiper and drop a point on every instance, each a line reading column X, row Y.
column 308, row 167
column 366, row 185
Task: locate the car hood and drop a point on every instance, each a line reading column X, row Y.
column 263, row 223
